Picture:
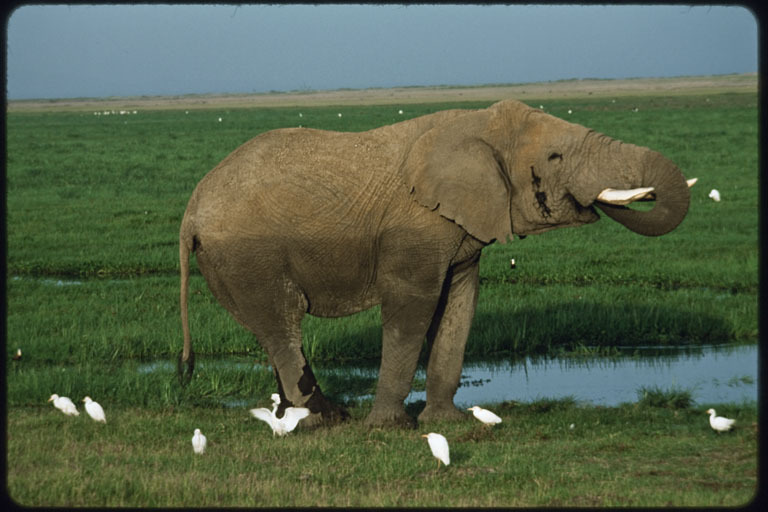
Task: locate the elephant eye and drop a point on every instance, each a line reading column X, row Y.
column 555, row 156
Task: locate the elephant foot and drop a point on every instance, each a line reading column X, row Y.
column 447, row 412
column 324, row 412
column 395, row 417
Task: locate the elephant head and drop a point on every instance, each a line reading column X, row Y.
column 512, row 169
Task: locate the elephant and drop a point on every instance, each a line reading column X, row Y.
column 302, row 221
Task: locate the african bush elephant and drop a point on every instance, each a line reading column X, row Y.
column 300, row 221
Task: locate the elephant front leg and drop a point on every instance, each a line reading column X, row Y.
column 448, row 337
column 404, row 326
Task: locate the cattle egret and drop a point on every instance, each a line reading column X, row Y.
column 718, row 423
column 64, row 404
column 570, row 111
column 714, row 195
column 17, row 355
column 287, row 423
column 219, row 119
column 439, row 446
column 94, row 410
column 339, row 114
column 484, row 415
column 199, row 441
column 400, row 112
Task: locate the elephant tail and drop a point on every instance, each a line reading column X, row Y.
column 186, row 362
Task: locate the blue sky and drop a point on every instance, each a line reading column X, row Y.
column 131, row 50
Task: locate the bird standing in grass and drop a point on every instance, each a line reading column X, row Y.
column 719, row 423
column 198, row 442
column 287, row 423
column 94, row 410
column 484, row 415
column 64, row 404
column 439, row 446
column 17, row 355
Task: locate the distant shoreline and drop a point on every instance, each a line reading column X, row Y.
column 576, row 88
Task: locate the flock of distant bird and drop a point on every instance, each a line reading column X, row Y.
column 293, row 415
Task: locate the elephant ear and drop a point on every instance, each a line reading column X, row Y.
column 452, row 170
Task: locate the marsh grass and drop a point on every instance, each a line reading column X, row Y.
column 674, row 398
column 94, row 205
column 93, row 209
column 111, row 320
column 623, row 456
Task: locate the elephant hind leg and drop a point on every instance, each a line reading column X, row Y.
column 276, row 322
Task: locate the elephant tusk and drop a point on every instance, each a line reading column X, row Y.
column 651, row 196
column 621, row 197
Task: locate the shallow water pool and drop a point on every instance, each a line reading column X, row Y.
column 713, row 374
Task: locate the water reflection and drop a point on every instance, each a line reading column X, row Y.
column 712, row 373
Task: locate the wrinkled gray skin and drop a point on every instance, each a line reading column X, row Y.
column 300, row 221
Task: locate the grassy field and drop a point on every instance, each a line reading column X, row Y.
column 632, row 455
column 93, row 207
column 96, row 201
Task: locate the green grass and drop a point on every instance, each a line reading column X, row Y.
column 93, row 209
column 675, row 398
column 99, row 200
column 631, row 455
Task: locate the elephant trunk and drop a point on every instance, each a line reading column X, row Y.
column 641, row 167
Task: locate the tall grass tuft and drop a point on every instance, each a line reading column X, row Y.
column 673, row 398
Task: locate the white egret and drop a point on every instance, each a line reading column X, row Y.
column 199, row 441
column 484, row 415
column 287, row 423
column 94, row 410
column 714, row 195
column 17, row 355
column 719, row 423
column 439, row 446
column 64, row 404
